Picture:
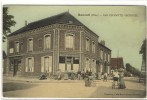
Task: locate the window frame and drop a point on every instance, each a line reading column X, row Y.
column 45, row 47
column 28, row 45
column 87, row 44
column 17, row 49
column 93, row 47
column 73, row 45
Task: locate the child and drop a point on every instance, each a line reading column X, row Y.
column 105, row 77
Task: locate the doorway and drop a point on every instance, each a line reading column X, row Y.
column 17, row 65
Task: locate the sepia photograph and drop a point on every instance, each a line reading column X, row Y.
column 78, row 51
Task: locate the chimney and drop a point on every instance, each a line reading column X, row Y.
column 26, row 23
column 102, row 42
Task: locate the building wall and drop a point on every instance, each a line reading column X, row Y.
column 57, row 49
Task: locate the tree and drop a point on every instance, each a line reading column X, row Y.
column 132, row 70
column 143, row 51
column 7, row 22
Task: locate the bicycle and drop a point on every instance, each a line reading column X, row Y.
column 115, row 86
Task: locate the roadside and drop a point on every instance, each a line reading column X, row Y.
column 71, row 89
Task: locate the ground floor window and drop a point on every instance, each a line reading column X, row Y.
column 68, row 63
column 30, row 64
column 46, row 64
column 87, row 64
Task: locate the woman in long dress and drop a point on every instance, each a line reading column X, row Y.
column 121, row 80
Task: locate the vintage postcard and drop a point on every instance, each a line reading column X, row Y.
column 75, row 51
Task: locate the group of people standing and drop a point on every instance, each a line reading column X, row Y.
column 118, row 78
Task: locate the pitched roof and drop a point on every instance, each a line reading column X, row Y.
column 117, row 62
column 62, row 18
column 103, row 46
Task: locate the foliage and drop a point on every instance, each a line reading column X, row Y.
column 7, row 22
column 143, row 50
column 132, row 70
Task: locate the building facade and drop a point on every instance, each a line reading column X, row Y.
column 58, row 42
column 117, row 63
column 104, row 56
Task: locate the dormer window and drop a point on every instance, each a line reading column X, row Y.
column 70, row 22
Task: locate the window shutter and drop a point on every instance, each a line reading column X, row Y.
column 50, row 63
column 32, row 64
column 32, row 44
column 42, row 64
column 26, row 67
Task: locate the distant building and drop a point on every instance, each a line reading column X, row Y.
column 117, row 63
column 58, row 42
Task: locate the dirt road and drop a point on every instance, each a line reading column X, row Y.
column 72, row 89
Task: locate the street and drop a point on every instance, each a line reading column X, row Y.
column 72, row 89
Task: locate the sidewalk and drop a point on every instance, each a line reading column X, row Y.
column 35, row 80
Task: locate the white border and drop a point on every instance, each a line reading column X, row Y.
column 64, row 2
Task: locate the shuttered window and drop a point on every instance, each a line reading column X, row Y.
column 17, row 46
column 30, row 44
column 46, row 64
column 87, row 44
column 93, row 47
column 47, row 41
column 29, row 64
column 69, row 41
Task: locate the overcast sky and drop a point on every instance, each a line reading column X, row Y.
column 122, row 27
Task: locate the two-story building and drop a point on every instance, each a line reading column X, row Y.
column 104, row 56
column 58, row 42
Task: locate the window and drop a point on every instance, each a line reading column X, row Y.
column 101, row 54
column 46, row 64
column 93, row 47
column 30, row 45
column 30, row 64
column 47, row 41
column 76, row 60
column 105, row 57
column 87, row 64
column 108, row 57
column 87, row 44
column 69, row 41
column 21, row 47
column 61, row 59
column 40, row 42
column 17, row 46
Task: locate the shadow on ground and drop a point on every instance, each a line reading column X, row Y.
column 108, row 92
column 10, row 86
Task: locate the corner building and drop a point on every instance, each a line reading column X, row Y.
column 58, row 42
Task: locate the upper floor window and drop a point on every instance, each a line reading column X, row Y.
column 108, row 57
column 40, row 42
column 93, row 47
column 30, row 44
column 47, row 41
column 69, row 41
column 101, row 54
column 105, row 55
column 87, row 44
column 17, row 46
column 21, row 47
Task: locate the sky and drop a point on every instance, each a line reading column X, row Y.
column 122, row 27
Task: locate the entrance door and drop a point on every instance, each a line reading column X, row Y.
column 69, row 65
column 17, row 65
